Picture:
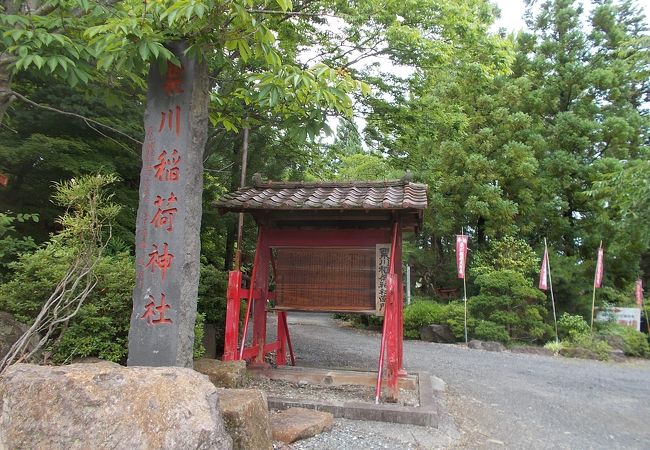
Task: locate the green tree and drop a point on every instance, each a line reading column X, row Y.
column 506, row 295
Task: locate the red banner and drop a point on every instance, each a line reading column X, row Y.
column 461, row 254
column 638, row 292
column 543, row 272
column 598, row 279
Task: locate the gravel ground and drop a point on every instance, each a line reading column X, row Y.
column 493, row 400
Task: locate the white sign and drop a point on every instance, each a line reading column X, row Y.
column 382, row 265
column 630, row 317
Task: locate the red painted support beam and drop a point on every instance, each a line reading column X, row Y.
column 281, row 355
column 250, row 294
column 253, row 351
column 259, row 303
column 233, row 296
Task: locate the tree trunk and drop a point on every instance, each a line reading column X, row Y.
column 6, row 75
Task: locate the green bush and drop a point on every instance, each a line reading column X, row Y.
column 198, row 350
column 508, row 298
column 636, row 343
column 422, row 313
column 570, row 326
column 101, row 326
column 490, row 331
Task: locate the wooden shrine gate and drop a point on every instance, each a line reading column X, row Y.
column 330, row 247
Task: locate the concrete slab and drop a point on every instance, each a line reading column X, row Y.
column 424, row 415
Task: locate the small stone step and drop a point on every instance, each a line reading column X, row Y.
column 246, row 417
column 223, row 374
column 299, row 423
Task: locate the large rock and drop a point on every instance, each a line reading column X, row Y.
column 107, row 406
column 579, row 352
column 441, row 334
column 223, row 374
column 532, row 350
column 246, row 415
column 299, row 423
column 10, row 331
column 490, row 346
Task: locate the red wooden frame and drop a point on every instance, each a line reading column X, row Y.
column 257, row 296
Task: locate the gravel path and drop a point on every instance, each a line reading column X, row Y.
column 493, row 400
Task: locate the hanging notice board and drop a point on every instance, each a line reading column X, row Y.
column 325, row 279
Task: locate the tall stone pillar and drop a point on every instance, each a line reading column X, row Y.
column 169, row 214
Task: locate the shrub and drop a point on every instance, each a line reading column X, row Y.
column 636, row 343
column 101, row 326
column 422, row 313
column 570, row 326
column 554, row 346
column 490, row 331
column 418, row 314
column 507, row 298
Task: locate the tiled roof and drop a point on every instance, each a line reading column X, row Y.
column 366, row 195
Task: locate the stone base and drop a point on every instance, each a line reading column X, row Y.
column 223, row 374
column 299, row 423
column 246, row 418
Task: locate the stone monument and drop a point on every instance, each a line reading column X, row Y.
column 169, row 214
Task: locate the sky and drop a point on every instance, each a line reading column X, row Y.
column 512, row 12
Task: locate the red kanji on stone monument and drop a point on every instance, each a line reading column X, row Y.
column 164, row 217
column 167, row 168
column 151, row 311
column 173, row 80
column 170, row 119
column 162, row 261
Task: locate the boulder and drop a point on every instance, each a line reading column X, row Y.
column 533, row 350
column 441, row 334
column 10, row 331
column 490, row 346
column 246, row 416
column 578, row 352
column 617, row 355
column 223, row 374
column 299, row 423
column 107, row 406
column 493, row 346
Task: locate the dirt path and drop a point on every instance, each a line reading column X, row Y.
column 494, row 400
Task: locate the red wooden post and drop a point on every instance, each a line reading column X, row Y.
column 392, row 353
column 400, row 306
column 389, row 340
column 261, row 297
column 286, row 332
column 281, row 355
column 232, row 315
column 251, row 289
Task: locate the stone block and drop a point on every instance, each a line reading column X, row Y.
column 533, row 350
column 107, row 406
column 223, row 374
column 490, row 346
column 246, row 417
column 441, row 334
column 299, row 423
